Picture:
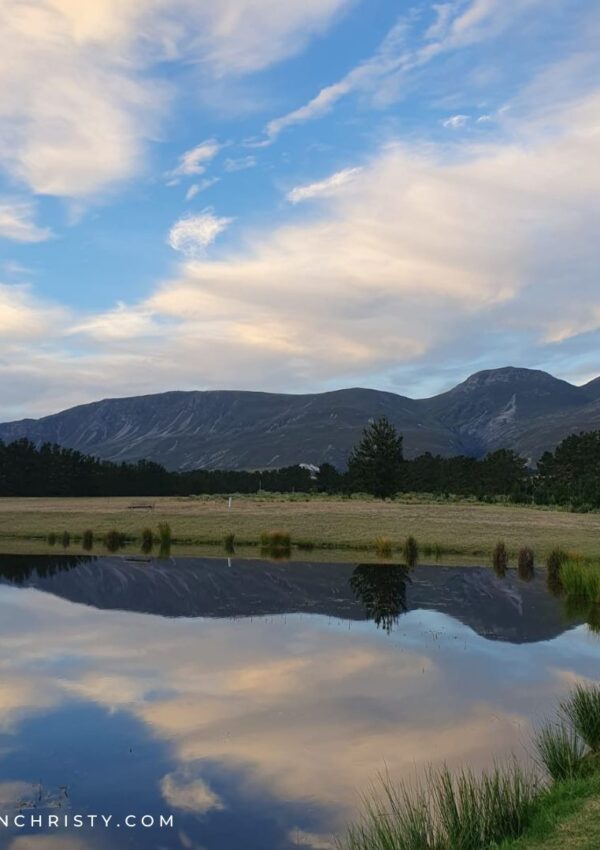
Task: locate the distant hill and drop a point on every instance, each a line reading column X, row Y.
column 524, row 409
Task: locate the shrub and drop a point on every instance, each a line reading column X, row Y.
column 65, row 539
column 113, row 540
column 51, row 538
column 410, row 551
column 87, row 539
column 525, row 563
column 583, row 711
column 560, row 750
column 383, row 547
column 147, row 540
column 500, row 558
column 229, row 542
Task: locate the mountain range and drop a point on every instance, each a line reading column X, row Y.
column 523, row 409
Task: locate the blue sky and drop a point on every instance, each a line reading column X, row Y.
column 294, row 196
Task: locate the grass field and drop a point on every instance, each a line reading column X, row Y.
column 459, row 528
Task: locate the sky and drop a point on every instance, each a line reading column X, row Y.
column 295, row 196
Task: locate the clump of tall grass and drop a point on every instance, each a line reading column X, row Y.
column 554, row 562
column 87, row 539
column 276, row 544
column 500, row 558
column 410, row 551
column 229, row 543
column 581, row 580
column 147, row 540
column 560, row 750
column 165, row 535
column 65, row 539
column 113, row 540
column 383, row 547
column 583, row 711
column 51, row 539
column 464, row 812
column 525, row 563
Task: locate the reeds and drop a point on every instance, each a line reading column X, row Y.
column 462, row 812
column 500, row 558
column 87, row 539
column 525, row 563
column 560, row 750
column 581, row 581
column 583, row 711
column 229, row 543
column 65, row 539
column 51, row 539
column 165, row 535
column 383, row 547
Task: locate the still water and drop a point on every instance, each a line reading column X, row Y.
column 254, row 701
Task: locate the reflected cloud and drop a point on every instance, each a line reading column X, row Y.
column 189, row 795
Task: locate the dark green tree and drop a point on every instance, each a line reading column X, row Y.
column 375, row 463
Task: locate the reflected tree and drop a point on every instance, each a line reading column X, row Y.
column 382, row 590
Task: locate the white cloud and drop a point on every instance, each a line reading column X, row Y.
column 455, row 122
column 189, row 795
column 380, row 76
column 240, row 164
column 322, row 188
column 81, row 96
column 196, row 188
column 192, row 233
column 23, row 317
column 192, row 162
column 17, row 222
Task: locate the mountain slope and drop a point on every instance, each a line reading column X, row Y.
column 517, row 408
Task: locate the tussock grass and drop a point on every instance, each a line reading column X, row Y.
column 461, row 812
column 383, row 547
column 65, row 539
column 114, row 540
column 583, row 711
column 51, row 539
column 165, row 535
column 581, row 580
column 276, row 544
column 229, row 542
column 554, row 562
column 500, row 558
column 410, row 551
column 525, row 563
column 147, row 540
column 560, row 751
column 87, row 539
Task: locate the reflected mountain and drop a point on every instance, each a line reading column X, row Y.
column 504, row 609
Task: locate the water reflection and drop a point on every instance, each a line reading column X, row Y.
column 382, row 590
column 254, row 701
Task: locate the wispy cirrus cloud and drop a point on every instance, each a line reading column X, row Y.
column 17, row 221
column 322, row 188
column 193, row 161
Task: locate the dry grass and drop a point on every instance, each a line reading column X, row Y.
column 460, row 528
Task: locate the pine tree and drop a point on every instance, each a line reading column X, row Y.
column 376, row 462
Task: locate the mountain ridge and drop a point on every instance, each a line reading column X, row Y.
column 524, row 409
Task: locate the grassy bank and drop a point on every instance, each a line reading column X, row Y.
column 448, row 528
column 507, row 808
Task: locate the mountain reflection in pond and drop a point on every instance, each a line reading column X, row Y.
column 255, row 700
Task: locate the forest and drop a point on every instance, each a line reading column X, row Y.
column 568, row 476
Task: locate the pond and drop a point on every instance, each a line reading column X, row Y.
column 254, row 701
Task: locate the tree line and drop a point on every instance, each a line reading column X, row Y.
column 569, row 476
